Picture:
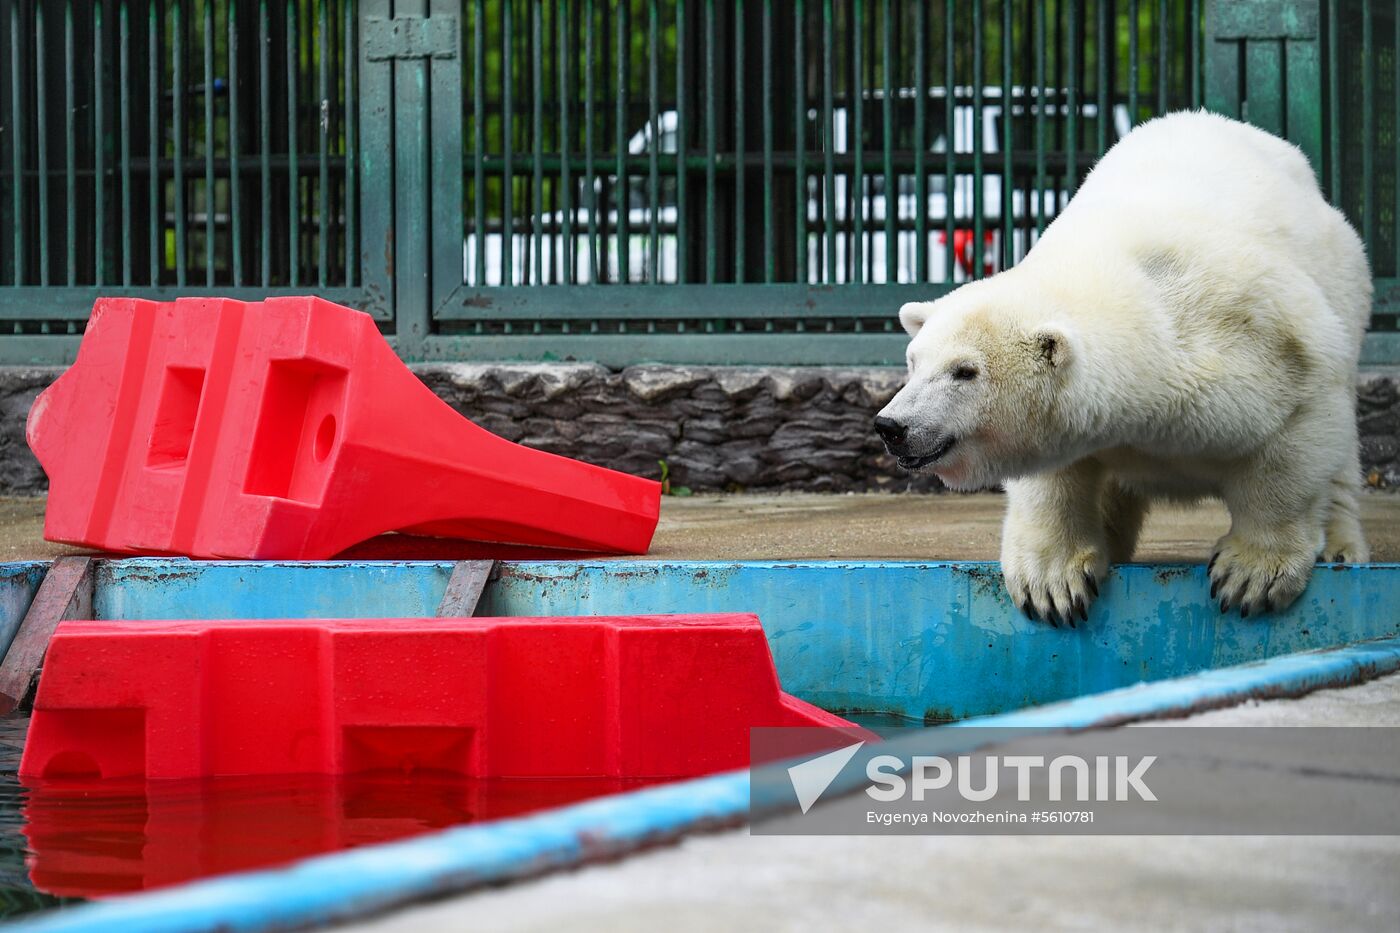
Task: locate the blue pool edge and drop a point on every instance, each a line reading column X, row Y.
column 360, row 882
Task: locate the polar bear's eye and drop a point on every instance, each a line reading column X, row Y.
column 965, row 372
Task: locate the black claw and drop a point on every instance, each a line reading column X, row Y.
column 1052, row 615
column 1244, row 610
column 1268, row 606
column 1224, row 607
column 1210, row 568
column 1078, row 609
column 1091, row 583
column 1214, row 589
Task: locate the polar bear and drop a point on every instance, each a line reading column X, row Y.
column 1189, row 326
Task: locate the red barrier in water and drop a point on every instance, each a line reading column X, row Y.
column 288, row 429
column 625, row 697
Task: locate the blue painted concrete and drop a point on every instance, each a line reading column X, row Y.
column 360, row 881
column 937, row 641
column 19, row 582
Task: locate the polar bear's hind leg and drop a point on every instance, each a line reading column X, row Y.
column 1344, row 541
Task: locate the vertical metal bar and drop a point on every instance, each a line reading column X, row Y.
column 828, row 272
column 921, row 141
column 1196, row 40
column 507, row 147
column 99, row 138
column 479, row 138
column 682, row 142
column 653, row 143
column 769, row 260
column 1102, row 51
column 856, row 142
column 978, row 176
column 265, row 138
column 352, row 184
column 711, row 155
column 800, row 135
column 70, row 140
column 17, row 142
column 1162, row 64
column 209, row 143
column 1072, row 101
column 323, row 91
column 595, row 274
column 178, row 90
column 156, row 222
column 1133, row 30
column 293, row 169
column 235, row 183
column 740, row 227
column 537, row 117
column 1040, row 105
column 1008, row 227
column 621, row 192
column 1334, row 107
column 950, row 132
column 42, row 112
column 891, row 187
column 1368, row 129
column 124, row 104
column 565, row 141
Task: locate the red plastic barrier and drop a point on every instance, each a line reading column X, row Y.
column 289, row 429
column 627, row 697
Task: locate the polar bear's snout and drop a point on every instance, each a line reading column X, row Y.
column 894, row 433
column 916, row 447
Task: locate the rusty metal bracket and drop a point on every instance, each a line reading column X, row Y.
column 408, row 37
column 66, row 593
column 464, row 588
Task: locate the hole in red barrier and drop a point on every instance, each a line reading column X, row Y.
column 325, row 437
column 175, row 416
column 286, row 456
column 72, row 764
column 407, row 749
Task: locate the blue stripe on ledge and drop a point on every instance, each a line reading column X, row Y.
column 362, row 881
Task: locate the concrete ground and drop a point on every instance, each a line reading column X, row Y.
column 733, row 880
column 817, row 526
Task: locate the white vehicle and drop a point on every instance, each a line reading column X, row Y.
column 873, row 200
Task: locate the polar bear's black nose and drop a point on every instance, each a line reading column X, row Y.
column 891, row 432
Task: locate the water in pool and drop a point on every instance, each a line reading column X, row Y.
column 71, row 840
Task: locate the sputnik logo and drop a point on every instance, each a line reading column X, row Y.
column 811, row 778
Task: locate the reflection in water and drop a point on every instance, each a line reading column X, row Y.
column 95, row 837
column 84, row 838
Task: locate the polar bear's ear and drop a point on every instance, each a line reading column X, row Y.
column 913, row 314
column 1051, row 345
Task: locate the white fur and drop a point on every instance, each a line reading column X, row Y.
column 1189, row 326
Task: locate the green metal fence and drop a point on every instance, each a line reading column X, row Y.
column 691, row 180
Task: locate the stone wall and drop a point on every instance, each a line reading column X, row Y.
column 717, row 428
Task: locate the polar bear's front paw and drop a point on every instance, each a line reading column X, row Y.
column 1257, row 579
column 1054, row 587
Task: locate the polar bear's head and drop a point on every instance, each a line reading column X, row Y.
column 985, row 382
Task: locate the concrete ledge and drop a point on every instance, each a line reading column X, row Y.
column 718, row 428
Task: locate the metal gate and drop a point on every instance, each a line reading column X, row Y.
column 625, row 180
